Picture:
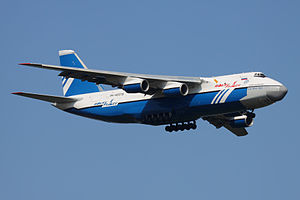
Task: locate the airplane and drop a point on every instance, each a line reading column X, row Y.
column 175, row 101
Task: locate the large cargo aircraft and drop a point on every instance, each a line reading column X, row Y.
column 175, row 101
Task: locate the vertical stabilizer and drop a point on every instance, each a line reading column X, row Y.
column 73, row 86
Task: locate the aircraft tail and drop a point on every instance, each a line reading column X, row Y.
column 73, row 86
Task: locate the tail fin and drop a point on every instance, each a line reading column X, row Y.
column 73, row 86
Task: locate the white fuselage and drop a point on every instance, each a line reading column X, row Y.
column 217, row 95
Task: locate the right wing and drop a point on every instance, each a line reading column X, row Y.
column 220, row 120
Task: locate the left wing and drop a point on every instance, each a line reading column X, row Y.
column 48, row 98
column 119, row 79
column 220, row 120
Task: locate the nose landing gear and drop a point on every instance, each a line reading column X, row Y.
column 181, row 126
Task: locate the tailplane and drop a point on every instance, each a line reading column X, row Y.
column 73, row 86
column 48, row 98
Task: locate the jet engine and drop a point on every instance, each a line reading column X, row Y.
column 241, row 121
column 176, row 89
column 137, row 85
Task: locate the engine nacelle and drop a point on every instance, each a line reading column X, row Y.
column 136, row 86
column 176, row 89
column 241, row 121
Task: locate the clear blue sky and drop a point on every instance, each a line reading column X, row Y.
column 48, row 154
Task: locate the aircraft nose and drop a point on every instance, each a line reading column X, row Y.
column 277, row 93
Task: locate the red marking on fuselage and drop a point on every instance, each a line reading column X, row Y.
column 228, row 85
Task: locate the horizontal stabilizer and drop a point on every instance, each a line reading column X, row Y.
column 48, row 98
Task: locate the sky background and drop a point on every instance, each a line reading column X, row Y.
column 48, row 154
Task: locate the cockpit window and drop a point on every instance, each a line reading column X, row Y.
column 259, row 75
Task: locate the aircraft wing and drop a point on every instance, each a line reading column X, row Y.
column 237, row 131
column 116, row 79
column 220, row 121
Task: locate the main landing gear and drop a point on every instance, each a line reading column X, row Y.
column 181, row 126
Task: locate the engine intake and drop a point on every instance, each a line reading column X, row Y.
column 178, row 89
column 139, row 86
column 241, row 121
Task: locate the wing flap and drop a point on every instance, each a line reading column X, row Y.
column 48, row 98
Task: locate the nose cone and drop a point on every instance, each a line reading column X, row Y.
column 277, row 93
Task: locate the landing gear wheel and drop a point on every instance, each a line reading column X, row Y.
column 181, row 126
column 186, row 126
column 168, row 129
column 194, row 126
column 176, row 128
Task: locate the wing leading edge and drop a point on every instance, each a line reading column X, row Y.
column 116, row 79
column 48, row 98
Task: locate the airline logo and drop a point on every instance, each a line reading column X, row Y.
column 228, row 85
column 108, row 103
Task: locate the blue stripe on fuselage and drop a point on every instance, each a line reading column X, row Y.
column 237, row 94
column 185, row 108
